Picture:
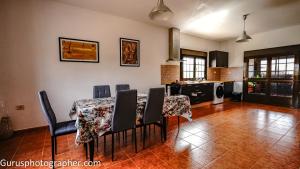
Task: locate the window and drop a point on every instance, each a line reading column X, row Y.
column 257, row 68
column 271, row 76
column 283, row 67
column 193, row 68
column 275, row 81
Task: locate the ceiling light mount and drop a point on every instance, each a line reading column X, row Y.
column 161, row 12
column 244, row 37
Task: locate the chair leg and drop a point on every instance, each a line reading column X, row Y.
column 86, row 150
column 91, row 150
column 178, row 122
column 104, row 137
column 52, row 148
column 161, row 134
column 141, row 131
column 149, row 130
column 123, row 136
column 144, row 135
column 164, row 126
column 135, row 144
column 126, row 137
column 132, row 136
column 112, row 146
column 97, row 143
column 55, row 140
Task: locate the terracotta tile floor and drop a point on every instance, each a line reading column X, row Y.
column 229, row 135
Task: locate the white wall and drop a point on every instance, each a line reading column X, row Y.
column 275, row 38
column 33, row 31
column 31, row 57
column 195, row 43
column 3, row 75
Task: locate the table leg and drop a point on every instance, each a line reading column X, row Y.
column 165, row 128
column 86, row 150
column 91, row 147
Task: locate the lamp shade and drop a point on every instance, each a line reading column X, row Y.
column 244, row 37
column 161, row 12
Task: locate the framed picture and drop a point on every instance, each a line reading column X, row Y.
column 76, row 50
column 129, row 52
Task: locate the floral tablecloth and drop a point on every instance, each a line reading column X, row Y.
column 93, row 116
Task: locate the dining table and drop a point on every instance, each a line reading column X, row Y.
column 94, row 116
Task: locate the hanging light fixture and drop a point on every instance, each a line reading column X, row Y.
column 244, row 37
column 161, row 12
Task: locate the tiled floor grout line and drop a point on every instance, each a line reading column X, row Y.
column 45, row 134
column 18, row 146
column 276, row 134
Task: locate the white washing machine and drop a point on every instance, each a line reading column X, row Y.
column 218, row 93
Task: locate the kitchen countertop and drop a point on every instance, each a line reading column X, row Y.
column 205, row 81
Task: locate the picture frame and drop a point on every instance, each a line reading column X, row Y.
column 129, row 52
column 77, row 50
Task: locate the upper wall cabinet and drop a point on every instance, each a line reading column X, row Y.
column 218, row 59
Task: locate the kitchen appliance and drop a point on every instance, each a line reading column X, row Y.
column 218, row 93
column 174, row 45
column 237, row 94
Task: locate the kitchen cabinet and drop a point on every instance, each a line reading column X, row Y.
column 228, row 89
column 198, row 92
column 218, row 59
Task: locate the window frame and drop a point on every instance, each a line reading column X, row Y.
column 268, row 79
column 272, row 95
column 193, row 54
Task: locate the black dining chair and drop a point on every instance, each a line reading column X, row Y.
column 153, row 111
column 120, row 87
column 56, row 129
column 124, row 115
column 101, row 91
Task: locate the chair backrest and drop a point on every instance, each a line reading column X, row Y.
column 101, row 91
column 120, row 87
column 154, row 106
column 175, row 89
column 47, row 111
column 124, row 114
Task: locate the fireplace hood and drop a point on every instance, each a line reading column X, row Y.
column 174, row 45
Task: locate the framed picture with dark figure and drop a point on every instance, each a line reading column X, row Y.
column 129, row 52
column 76, row 50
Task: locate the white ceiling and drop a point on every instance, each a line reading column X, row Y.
column 211, row 19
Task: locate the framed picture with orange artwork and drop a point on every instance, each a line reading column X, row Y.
column 129, row 52
column 76, row 50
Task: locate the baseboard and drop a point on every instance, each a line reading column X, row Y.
column 30, row 129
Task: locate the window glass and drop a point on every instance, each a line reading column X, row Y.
column 257, row 68
column 282, row 67
column 251, row 68
column 193, row 68
column 282, row 89
column 262, row 70
column 200, row 68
